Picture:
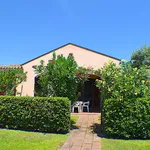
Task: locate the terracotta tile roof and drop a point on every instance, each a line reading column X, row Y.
column 14, row 66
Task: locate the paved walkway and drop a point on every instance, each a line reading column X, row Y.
column 84, row 138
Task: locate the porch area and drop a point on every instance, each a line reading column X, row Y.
column 89, row 97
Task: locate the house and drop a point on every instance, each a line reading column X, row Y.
column 85, row 57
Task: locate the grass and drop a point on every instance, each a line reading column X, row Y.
column 16, row 140
column 115, row 144
column 74, row 119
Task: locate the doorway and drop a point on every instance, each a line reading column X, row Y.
column 91, row 93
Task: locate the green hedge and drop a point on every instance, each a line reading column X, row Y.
column 44, row 114
column 127, row 118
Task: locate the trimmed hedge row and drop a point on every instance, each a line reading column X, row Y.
column 128, row 118
column 44, row 114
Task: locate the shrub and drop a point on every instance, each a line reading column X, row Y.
column 124, row 81
column 10, row 79
column 128, row 118
column 60, row 77
column 44, row 114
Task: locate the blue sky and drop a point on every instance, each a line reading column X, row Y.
column 29, row 28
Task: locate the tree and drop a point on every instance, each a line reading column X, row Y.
column 10, row 79
column 141, row 57
column 124, row 81
column 60, row 77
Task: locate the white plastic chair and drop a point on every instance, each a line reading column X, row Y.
column 77, row 105
column 86, row 105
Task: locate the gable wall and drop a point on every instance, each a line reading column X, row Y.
column 83, row 57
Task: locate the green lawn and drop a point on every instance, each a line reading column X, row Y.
column 114, row 144
column 17, row 140
column 22, row 140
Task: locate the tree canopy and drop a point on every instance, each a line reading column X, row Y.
column 141, row 57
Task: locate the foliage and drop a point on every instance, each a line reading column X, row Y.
column 60, row 77
column 129, row 118
column 141, row 57
column 10, row 79
column 44, row 114
column 91, row 70
column 123, row 81
column 108, row 76
column 17, row 140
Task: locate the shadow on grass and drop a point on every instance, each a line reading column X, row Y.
column 73, row 125
column 98, row 129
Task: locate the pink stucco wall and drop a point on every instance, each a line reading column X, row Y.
column 83, row 57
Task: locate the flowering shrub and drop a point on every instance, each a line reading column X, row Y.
column 10, row 79
column 123, row 81
column 60, row 77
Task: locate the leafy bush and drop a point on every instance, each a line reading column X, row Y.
column 10, row 79
column 128, row 118
column 124, row 81
column 60, row 77
column 44, row 114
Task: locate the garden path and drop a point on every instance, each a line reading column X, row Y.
column 85, row 136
